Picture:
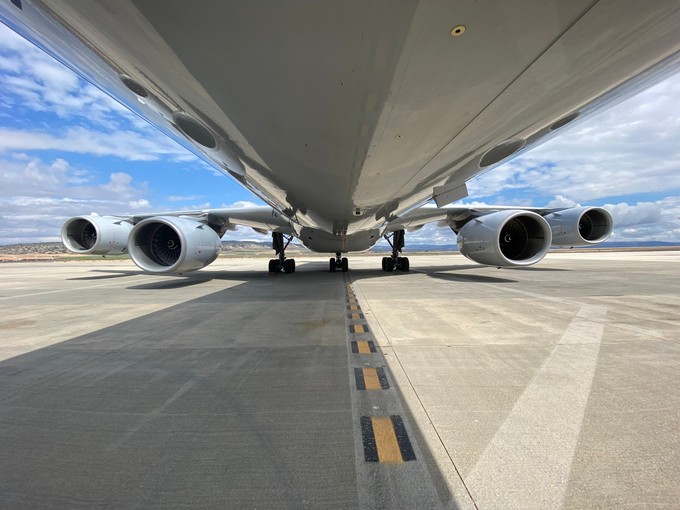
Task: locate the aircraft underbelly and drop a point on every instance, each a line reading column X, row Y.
column 345, row 114
column 325, row 242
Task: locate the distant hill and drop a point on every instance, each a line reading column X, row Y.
column 58, row 248
column 33, row 248
column 236, row 246
column 649, row 244
column 381, row 248
column 255, row 246
column 245, row 246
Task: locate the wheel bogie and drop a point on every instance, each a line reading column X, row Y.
column 395, row 262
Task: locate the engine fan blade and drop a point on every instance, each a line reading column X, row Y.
column 513, row 239
column 88, row 236
column 166, row 246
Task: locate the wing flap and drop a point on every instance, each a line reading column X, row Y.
column 261, row 219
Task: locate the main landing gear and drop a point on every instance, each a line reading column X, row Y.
column 279, row 244
column 338, row 263
column 395, row 262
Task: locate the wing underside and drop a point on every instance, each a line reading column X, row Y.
column 342, row 116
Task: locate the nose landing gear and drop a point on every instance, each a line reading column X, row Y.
column 338, row 263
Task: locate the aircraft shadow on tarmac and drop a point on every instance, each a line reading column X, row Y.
column 117, row 274
column 237, row 398
column 477, row 278
column 178, row 283
column 203, row 276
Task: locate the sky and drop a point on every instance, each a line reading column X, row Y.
column 67, row 149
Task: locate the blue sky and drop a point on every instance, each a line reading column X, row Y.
column 67, row 149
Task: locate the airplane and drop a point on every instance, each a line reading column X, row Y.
column 346, row 118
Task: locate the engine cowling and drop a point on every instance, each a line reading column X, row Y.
column 96, row 235
column 580, row 226
column 506, row 238
column 168, row 244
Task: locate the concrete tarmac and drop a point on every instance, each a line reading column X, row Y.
column 555, row 386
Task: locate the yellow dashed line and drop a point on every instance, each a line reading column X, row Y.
column 353, row 307
column 386, row 440
column 363, row 347
column 371, row 380
column 358, row 328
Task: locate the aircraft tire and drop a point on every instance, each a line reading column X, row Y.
column 405, row 264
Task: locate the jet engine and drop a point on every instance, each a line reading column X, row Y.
column 167, row 244
column 580, row 226
column 505, row 238
column 96, row 235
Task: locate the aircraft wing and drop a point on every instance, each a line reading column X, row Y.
column 261, row 219
column 454, row 216
column 109, row 235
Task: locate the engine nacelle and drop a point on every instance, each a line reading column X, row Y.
column 168, row 244
column 96, row 235
column 580, row 226
column 505, row 238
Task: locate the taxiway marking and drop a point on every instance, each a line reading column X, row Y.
column 529, row 459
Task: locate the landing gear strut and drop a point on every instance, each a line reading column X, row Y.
column 338, row 263
column 279, row 245
column 395, row 262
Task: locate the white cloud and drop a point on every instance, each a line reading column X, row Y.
column 127, row 145
column 431, row 233
column 32, row 79
column 36, row 197
column 647, row 221
column 182, row 198
column 139, row 205
column 246, row 234
column 561, row 201
column 58, row 178
column 639, row 214
column 241, row 204
column 629, row 149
